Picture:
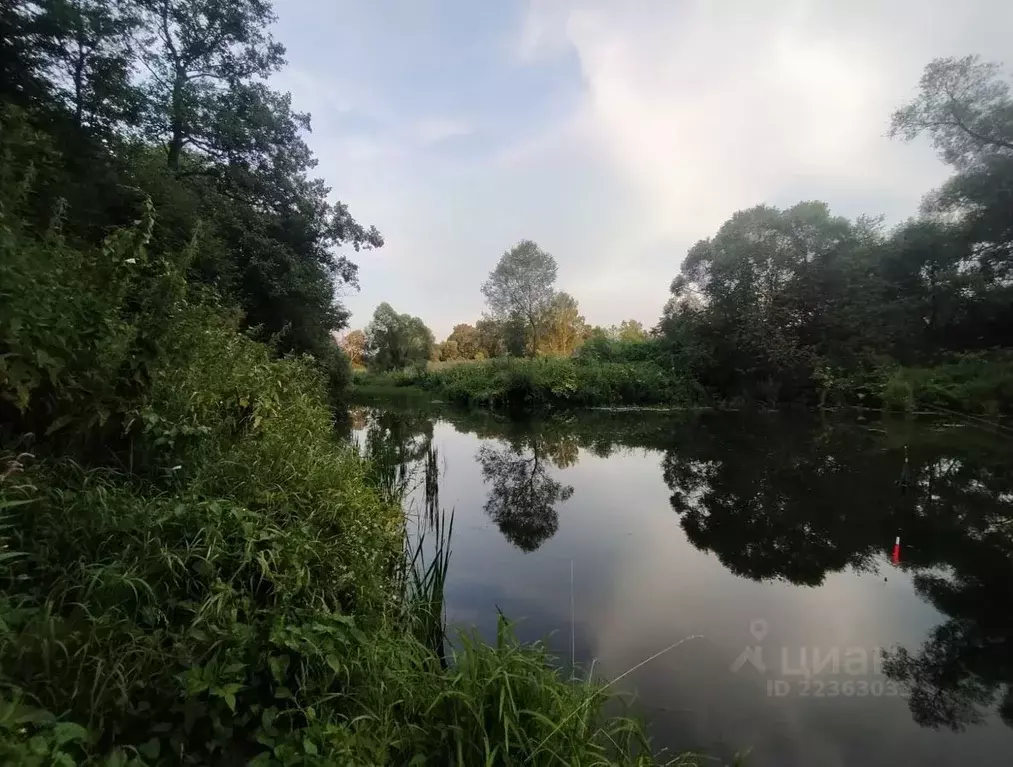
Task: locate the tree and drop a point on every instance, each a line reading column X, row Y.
column 22, row 80
column 967, row 111
column 964, row 107
column 354, row 345
column 564, row 326
column 204, row 57
column 521, row 288
column 631, row 330
column 765, row 296
column 235, row 146
column 490, row 337
column 465, row 341
column 449, row 350
column 89, row 56
column 395, row 341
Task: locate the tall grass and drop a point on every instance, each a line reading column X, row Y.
column 195, row 570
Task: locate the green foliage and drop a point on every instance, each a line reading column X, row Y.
column 631, row 330
column 223, row 580
column 491, row 339
column 115, row 103
column 603, row 349
column 554, row 382
column 563, row 326
column 776, row 300
column 463, row 343
column 395, row 341
column 520, row 290
column 978, row 383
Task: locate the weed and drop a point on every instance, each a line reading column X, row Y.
column 195, row 569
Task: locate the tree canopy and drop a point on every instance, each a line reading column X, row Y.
column 395, row 341
column 354, row 346
column 521, row 288
column 115, row 101
column 564, row 328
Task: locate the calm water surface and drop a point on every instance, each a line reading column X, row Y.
column 770, row 539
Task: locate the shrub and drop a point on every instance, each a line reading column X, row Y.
column 555, row 382
column 979, row 383
column 606, row 350
column 197, row 571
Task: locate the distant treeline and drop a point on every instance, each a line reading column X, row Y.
column 803, row 305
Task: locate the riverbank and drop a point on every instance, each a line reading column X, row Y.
column 978, row 385
column 196, row 569
column 544, row 383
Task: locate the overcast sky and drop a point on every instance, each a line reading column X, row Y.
column 614, row 134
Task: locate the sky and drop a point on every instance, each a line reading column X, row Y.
column 613, row 134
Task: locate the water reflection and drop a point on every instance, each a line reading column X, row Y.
column 787, row 501
column 523, row 496
column 776, row 503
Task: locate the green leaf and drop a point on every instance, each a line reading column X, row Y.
column 310, row 747
column 12, row 504
column 65, row 732
column 151, row 749
column 58, row 424
column 279, row 666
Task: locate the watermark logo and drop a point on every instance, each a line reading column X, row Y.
column 816, row 671
column 753, row 654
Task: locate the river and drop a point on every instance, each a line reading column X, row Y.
column 763, row 547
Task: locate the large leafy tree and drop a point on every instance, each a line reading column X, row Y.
column 166, row 99
column 491, row 342
column 395, row 341
column 463, row 343
column 965, row 106
column 765, row 295
column 89, row 52
column 204, row 57
column 521, row 288
column 564, row 326
column 354, row 345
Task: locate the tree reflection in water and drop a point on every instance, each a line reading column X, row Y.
column 775, row 504
column 523, row 496
column 778, row 498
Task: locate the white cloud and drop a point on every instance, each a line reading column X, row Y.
column 706, row 108
column 433, row 130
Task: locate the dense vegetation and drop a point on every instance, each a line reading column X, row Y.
column 194, row 568
column 602, row 373
column 110, row 104
column 800, row 305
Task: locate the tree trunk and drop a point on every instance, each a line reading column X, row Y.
column 176, row 142
column 78, row 92
column 79, row 73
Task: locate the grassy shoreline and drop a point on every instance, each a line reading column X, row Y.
column 978, row 385
column 196, row 569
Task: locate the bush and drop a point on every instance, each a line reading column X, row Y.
column 979, row 383
column 196, row 570
column 556, row 382
column 606, row 350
